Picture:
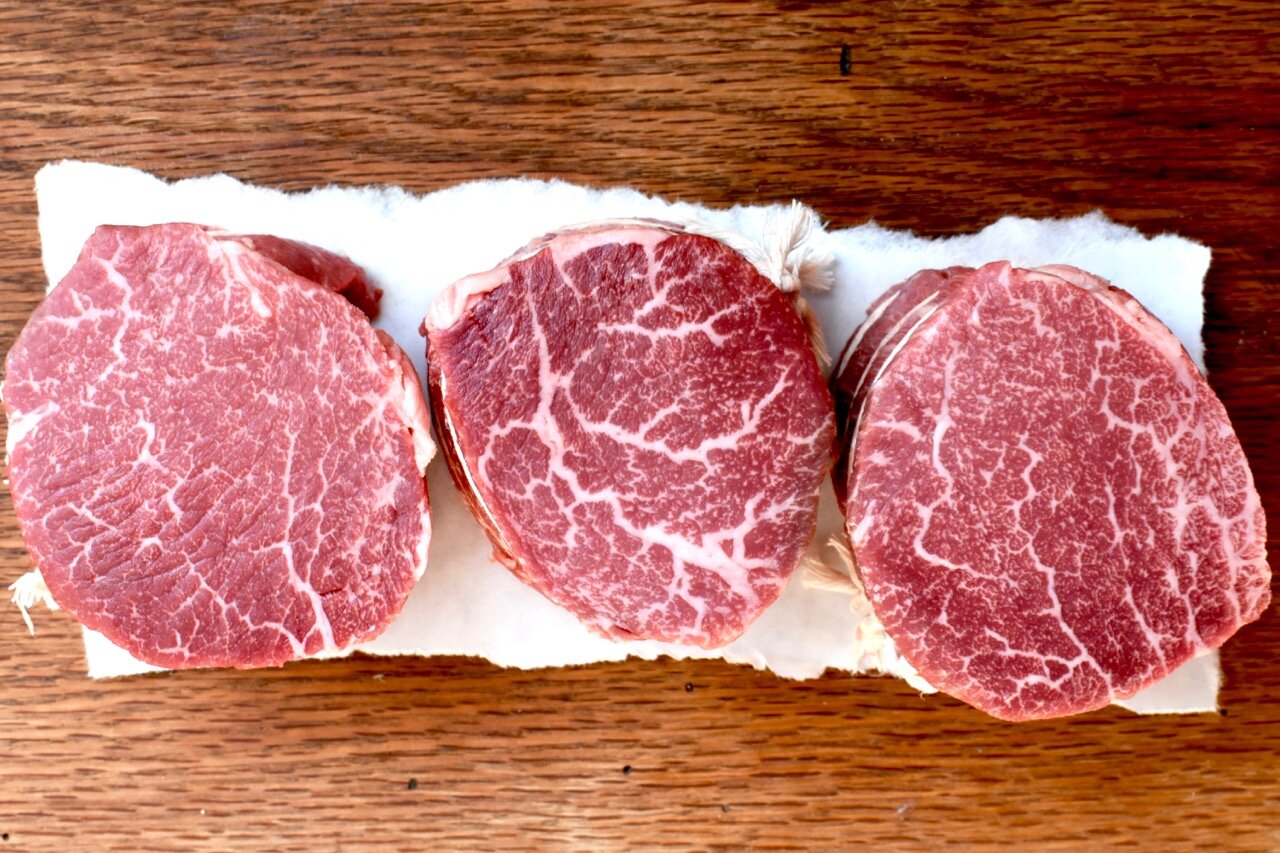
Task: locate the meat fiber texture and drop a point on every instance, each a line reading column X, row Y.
column 415, row 246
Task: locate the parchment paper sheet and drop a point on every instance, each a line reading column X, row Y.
column 414, row 246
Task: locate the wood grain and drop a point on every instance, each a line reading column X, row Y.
column 945, row 116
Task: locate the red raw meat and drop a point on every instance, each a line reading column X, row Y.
column 216, row 462
column 1047, row 504
column 635, row 416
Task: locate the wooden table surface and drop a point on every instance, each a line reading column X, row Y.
column 938, row 117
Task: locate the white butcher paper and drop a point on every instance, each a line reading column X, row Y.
column 414, row 246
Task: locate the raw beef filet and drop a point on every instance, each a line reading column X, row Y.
column 1047, row 505
column 635, row 416
column 216, row 461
